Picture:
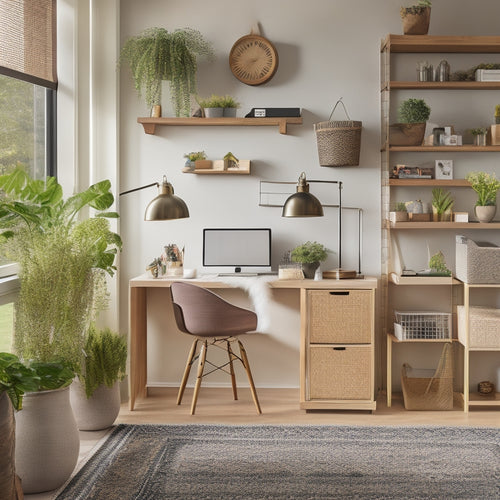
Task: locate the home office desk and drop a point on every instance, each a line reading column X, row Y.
column 337, row 320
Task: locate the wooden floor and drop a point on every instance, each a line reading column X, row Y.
column 280, row 406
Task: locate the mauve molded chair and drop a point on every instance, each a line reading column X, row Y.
column 213, row 322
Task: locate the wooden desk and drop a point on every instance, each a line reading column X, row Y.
column 138, row 317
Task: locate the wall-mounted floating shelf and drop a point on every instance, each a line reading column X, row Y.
column 150, row 124
column 211, row 171
column 445, row 225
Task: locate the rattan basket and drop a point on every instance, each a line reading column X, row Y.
column 484, row 327
column 339, row 142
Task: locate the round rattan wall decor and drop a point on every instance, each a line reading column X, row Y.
column 253, row 59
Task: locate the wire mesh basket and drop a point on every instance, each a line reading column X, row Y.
column 411, row 325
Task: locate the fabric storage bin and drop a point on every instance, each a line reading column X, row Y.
column 476, row 262
column 484, row 327
column 429, row 389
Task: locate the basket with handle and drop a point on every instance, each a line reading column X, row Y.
column 339, row 142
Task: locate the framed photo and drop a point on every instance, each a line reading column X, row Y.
column 444, row 169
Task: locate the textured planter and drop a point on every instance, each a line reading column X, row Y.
column 10, row 486
column 485, row 214
column 229, row 112
column 47, row 440
column 309, row 269
column 417, row 24
column 213, row 112
column 97, row 412
column 406, row 134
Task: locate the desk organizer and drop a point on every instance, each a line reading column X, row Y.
column 477, row 262
column 420, row 325
column 484, row 327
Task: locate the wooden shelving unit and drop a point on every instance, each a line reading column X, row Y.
column 429, row 182
column 441, row 44
column 150, row 124
column 445, row 225
column 401, row 85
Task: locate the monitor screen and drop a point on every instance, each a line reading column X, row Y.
column 237, row 250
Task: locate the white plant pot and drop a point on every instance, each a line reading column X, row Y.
column 485, row 214
column 97, row 412
column 47, row 440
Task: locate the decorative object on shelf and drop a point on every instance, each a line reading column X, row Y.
column 415, row 209
column 309, row 255
column 495, row 129
column 442, row 204
column 156, row 268
column 425, row 71
column 461, row 216
column 166, row 206
column 253, row 59
column 399, row 214
column 444, row 169
column 339, row 142
column 486, row 186
column 479, row 134
column 288, row 269
column 412, row 114
column 437, row 265
column 486, row 388
column 173, row 260
column 156, row 55
column 230, row 161
column 191, row 159
column 156, row 111
column 416, row 18
column 473, row 74
column 443, row 71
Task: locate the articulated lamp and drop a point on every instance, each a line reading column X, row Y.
column 304, row 204
column 166, row 206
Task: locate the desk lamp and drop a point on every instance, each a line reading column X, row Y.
column 166, row 206
column 304, row 204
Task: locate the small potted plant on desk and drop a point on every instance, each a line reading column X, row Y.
column 486, row 186
column 309, row 255
column 412, row 115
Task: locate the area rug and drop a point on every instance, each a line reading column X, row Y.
column 156, row 462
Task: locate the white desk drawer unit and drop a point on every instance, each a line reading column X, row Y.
column 338, row 349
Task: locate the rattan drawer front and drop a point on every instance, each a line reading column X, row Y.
column 340, row 316
column 340, row 372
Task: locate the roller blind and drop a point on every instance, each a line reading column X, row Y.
column 28, row 41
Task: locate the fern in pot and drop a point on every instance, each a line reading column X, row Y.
column 310, row 255
column 95, row 397
column 62, row 264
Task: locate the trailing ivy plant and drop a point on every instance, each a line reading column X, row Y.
column 156, row 55
column 62, row 263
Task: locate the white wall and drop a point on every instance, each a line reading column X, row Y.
column 327, row 49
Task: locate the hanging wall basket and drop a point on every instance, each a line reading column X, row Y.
column 339, row 142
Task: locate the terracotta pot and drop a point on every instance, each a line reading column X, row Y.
column 417, row 24
column 47, row 440
column 485, row 214
column 97, row 412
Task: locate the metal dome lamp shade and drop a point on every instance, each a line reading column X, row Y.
column 302, row 203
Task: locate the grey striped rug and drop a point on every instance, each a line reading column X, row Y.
column 155, row 462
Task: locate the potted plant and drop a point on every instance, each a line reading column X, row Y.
column 213, row 106
column 437, row 265
column 442, row 204
column 230, row 106
column 416, row 18
column 309, row 255
column 62, row 264
column 95, row 395
column 196, row 160
column 479, row 135
column 400, row 213
column 412, row 115
column 495, row 129
column 156, row 55
column 486, row 186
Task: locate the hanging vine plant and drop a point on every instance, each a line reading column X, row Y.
column 156, row 55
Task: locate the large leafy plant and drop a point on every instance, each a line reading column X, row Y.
column 156, row 55
column 62, row 260
column 486, row 186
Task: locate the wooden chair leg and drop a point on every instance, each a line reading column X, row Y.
column 231, row 355
column 201, row 366
column 187, row 370
column 250, row 378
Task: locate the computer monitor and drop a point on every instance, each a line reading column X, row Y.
column 237, row 250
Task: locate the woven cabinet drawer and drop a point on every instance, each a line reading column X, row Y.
column 340, row 316
column 340, row 372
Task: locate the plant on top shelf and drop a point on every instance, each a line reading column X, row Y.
column 416, row 18
column 309, row 254
column 156, row 55
column 442, row 203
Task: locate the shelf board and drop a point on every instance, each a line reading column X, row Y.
column 403, row 85
column 475, row 399
column 422, row 280
column 468, row 148
column 441, row 44
column 427, row 341
column 445, row 225
column 211, row 171
column 150, row 124
column 430, row 182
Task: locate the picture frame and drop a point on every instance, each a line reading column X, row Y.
column 444, row 169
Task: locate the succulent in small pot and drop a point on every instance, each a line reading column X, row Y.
column 442, row 204
column 309, row 254
column 412, row 115
column 479, row 135
column 400, row 213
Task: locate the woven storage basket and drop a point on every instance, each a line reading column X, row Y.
column 432, row 391
column 339, row 142
column 476, row 263
column 484, row 327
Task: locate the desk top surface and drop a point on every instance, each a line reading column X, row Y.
column 214, row 281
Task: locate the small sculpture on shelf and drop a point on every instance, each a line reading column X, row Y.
column 230, row 161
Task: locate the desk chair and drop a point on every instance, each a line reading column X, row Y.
column 213, row 322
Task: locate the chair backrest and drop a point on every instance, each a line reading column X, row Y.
column 199, row 311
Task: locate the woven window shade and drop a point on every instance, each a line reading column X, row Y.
column 28, row 41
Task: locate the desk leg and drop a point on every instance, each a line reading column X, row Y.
column 389, row 371
column 138, row 344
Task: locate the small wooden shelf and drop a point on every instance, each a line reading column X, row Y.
column 445, row 225
column 413, row 85
column 423, row 280
column 430, row 182
column 414, row 341
column 467, row 148
column 150, row 124
column 211, row 171
column 475, row 399
column 441, row 44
